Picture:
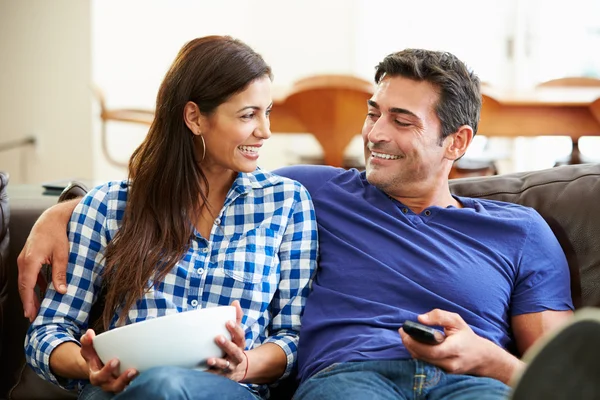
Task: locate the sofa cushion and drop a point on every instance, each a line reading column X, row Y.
column 567, row 198
column 30, row 386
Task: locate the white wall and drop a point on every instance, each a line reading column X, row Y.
column 45, row 70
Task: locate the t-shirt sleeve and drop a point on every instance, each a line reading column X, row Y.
column 543, row 279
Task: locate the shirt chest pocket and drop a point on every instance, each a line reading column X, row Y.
column 251, row 257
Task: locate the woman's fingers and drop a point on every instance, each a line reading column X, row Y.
column 223, row 365
column 239, row 313
column 237, row 334
column 233, row 351
column 231, row 364
column 109, row 379
column 119, row 384
column 88, row 352
column 106, row 374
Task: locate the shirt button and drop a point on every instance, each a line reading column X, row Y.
column 200, row 271
column 194, row 303
column 205, row 250
column 427, row 213
column 217, row 221
column 405, row 210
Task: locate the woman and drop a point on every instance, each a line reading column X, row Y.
column 195, row 205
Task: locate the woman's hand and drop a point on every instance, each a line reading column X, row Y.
column 105, row 376
column 234, row 365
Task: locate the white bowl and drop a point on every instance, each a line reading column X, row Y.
column 185, row 339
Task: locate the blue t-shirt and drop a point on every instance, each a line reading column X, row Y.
column 381, row 264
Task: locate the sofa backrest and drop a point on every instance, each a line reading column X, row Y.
column 567, row 198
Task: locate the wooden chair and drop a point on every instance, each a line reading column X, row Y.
column 330, row 107
column 128, row 115
column 574, row 81
column 467, row 167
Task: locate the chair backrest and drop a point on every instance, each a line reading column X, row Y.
column 572, row 81
column 129, row 115
column 332, row 108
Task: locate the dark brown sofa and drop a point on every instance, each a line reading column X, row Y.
column 567, row 197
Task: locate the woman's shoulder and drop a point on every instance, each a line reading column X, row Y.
column 266, row 179
column 107, row 192
column 270, row 187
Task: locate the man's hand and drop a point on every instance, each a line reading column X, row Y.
column 463, row 351
column 47, row 244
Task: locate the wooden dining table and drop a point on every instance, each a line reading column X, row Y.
column 333, row 107
column 565, row 111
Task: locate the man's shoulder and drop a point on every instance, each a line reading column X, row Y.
column 312, row 176
column 309, row 172
column 505, row 210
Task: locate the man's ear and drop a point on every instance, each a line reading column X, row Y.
column 458, row 142
column 193, row 118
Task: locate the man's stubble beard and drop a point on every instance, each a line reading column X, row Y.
column 396, row 182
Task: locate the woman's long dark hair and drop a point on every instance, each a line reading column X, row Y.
column 166, row 190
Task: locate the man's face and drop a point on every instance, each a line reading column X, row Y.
column 402, row 135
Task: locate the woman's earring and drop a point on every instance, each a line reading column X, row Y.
column 203, row 147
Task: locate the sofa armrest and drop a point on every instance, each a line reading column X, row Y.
column 73, row 190
column 27, row 202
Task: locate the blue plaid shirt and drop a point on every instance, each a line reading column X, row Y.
column 262, row 251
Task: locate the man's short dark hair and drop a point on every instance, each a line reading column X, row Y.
column 459, row 88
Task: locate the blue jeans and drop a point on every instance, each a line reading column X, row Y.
column 397, row 379
column 174, row 383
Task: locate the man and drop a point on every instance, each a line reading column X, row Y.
column 395, row 245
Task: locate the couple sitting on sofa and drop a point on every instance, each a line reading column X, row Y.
column 394, row 244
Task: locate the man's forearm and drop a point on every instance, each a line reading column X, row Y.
column 47, row 244
column 61, row 212
column 500, row 364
